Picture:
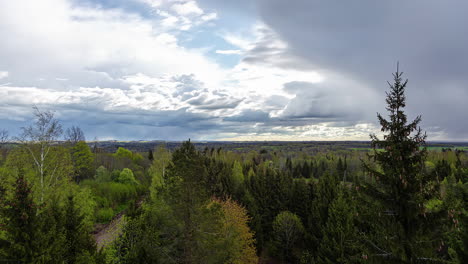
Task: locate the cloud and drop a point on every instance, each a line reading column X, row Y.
column 151, row 3
column 209, row 17
column 229, row 52
column 148, row 69
column 3, row 74
column 363, row 40
column 329, row 100
column 249, row 116
column 187, row 8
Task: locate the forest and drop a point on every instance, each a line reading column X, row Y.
column 66, row 200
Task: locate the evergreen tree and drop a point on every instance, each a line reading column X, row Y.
column 324, row 194
column 340, row 243
column 21, row 227
column 408, row 233
column 186, row 193
column 78, row 240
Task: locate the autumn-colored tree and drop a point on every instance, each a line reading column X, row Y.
column 238, row 238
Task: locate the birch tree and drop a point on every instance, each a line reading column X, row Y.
column 38, row 139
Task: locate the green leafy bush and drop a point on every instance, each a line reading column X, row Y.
column 104, row 215
column 127, row 177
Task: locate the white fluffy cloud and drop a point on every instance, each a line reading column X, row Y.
column 187, row 8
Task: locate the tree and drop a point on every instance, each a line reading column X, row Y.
column 340, row 243
column 83, row 160
column 150, row 155
column 288, row 231
column 237, row 175
column 161, row 160
column 3, row 139
column 74, row 135
column 324, row 194
column 236, row 237
column 124, row 153
column 22, row 234
column 409, row 232
column 3, row 136
column 102, row 175
column 38, row 139
column 186, row 194
column 126, row 177
column 78, row 240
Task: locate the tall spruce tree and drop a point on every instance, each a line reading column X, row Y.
column 407, row 231
column 78, row 240
column 22, row 235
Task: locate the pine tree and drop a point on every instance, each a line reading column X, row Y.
column 340, row 242
column 22, row 234
column 78, row 240
column 324, row 194
column 408, row 232
column 186, row 193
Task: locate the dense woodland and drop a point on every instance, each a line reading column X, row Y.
column 397, row 203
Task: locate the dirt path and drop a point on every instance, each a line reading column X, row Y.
column 106, row 234
column 110, row 232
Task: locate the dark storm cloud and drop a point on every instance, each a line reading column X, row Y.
column 211, row 101
column 363, row 40
column 249, row 116
column 124, row 123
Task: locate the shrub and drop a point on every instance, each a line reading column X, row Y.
column 104, row 215
column 127, row 177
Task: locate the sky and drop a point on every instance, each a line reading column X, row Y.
column 232, row 70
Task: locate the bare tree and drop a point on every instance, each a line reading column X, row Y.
column 74, row 135
column 38, row 139
column 3, row 136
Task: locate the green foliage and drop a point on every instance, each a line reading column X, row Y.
column 126, row 177
column 288, row 233
column 324, row 195
column 78, row 241
column 57, row 170
column 83, row 160
column 340, row 243
column 237, row 175
column 407, row 232
column 115, row 174
column 22, row 236
column 103, row 175
column 433, row 205
column 124, row 153
column 104, row 215
column 157, row 171
column 237, row 241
